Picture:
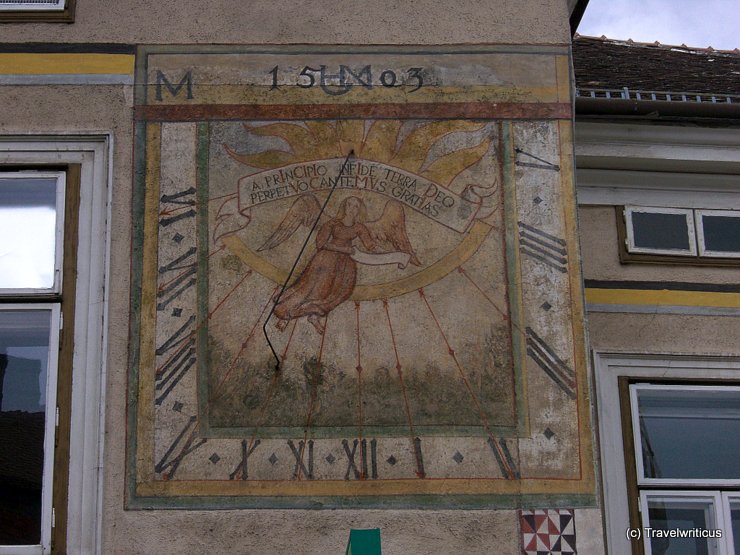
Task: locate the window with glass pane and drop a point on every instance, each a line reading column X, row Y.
column 32, row 4
column 660, row 231
column 31, row 239
column 719, row 233
column 694, row 515
column 682, row 433
column 31, row 225
column 46, row 11
column 686, row 438
column 27, row 410
column 733, row 516
column 680, row 235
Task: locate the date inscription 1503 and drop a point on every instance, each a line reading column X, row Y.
column 347, row 78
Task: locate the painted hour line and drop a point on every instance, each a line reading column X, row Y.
column 399, row 369
column 544, row 247
column 509, row 469
column 244, row 344
column 181, row 199
column 359, row 372
column 553, row 365
column 192, row 443
column 183, row 358
column 503, row 314
column 543, row 164
column 314, row 373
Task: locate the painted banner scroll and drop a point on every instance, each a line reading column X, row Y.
column 431, row 338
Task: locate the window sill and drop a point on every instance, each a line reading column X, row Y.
column 67, row 15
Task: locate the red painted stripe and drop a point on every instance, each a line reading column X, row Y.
column 436, row 110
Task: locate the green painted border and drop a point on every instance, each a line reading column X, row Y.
column 137, row 244
column 347, row 432
column 202, row 139
column 340, row 432
column 515, row 298
column 141, row 69
column 420, row 502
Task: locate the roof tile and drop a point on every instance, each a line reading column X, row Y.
column 611, row 64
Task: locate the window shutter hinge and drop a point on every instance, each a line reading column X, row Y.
column 57, row 417
column 53, row 517
column 61, row 321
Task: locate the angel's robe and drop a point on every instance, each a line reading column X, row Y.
column 330, row 276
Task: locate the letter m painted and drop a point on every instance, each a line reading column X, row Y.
column 186, row 81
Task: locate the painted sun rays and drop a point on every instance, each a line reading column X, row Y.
column 391, row 142
column 498, row 445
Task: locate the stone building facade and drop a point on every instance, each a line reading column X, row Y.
column 320, row 268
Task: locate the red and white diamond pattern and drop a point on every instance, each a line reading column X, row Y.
column 548, row 532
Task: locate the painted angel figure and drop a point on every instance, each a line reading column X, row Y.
column 330, row 276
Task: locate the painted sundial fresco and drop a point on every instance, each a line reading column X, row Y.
column 355, row 280
column 371, row 263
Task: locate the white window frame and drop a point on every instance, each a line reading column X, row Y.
column 608, row 368
column 703, row 251
column 727, row 499
column 61, row 178
column 43, row 5
column 643, row 480
column 716, row 515
column 93, row 153
column 686, row 212
column 50, row 424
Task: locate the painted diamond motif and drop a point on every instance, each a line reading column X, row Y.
column 545, row 306
column 177, row 407
column 273, row 459
column 457, row 457
column 214, row 458
column 177, row 238
column 548, row 532
column 537, row 200
column 391, row 460
column 177, row 312
column 548, row 433
column 330, row 458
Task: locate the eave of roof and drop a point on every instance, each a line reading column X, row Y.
column 577, row 9
column 628, row 78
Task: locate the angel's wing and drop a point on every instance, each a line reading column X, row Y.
column 304, row 211
column 389, row 232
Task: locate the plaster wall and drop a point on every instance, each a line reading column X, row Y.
column 650, row 332
column 83, row 109
column 600, row 249
column 663, row 333
column 303, row 22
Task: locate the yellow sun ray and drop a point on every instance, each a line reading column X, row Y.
column 351, row 134
column 325, row 138
column 446, row 168
column 300, row 139
column 333, row 139
column 381, row 140
column 414, row 150
column 265, row 160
